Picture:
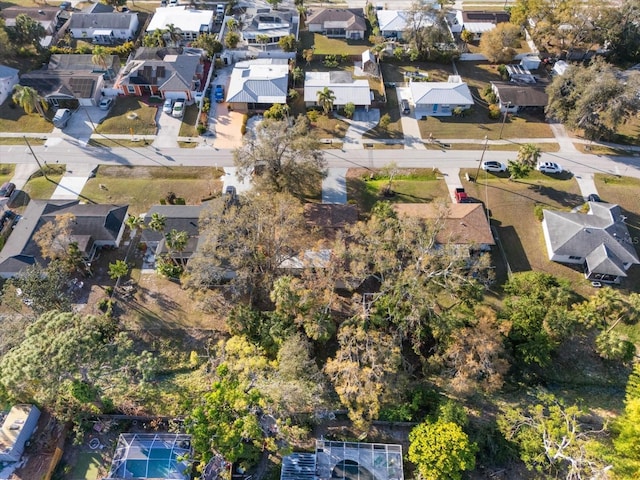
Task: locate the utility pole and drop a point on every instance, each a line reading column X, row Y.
column 44, row 173
column 486, row 142
column 504, row 119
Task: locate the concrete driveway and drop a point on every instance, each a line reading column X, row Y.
column 81, row 125
column 362, row 122
column 168, row 130
column 410, row 128
column 227, row 124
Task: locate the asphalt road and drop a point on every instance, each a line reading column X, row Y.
column 72, row 153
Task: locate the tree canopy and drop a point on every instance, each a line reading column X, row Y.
column 282, row 158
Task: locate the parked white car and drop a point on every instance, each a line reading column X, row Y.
column 178, row 109
column 168, row 106
column 549, row 167
column 493, row 166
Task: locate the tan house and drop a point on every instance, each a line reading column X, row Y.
column 338, row 22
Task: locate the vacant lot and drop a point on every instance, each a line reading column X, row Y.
column 141, row 187
column 129, row 115
column 189, row 121
column 511, row 205
column 393, row 71
column 332, row 46
column 329, row 127
column 413, row 186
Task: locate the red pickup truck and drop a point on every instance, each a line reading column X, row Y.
column 461, row 196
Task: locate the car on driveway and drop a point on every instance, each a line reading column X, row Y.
column 549, row 167
column 219, row 93
column 168, row 106
column 105, row 103
column 594, row 197
column 61, row 118
column 493, row 166
column 178, row 109
column 7, row 189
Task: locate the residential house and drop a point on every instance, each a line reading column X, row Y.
column 71, row 80
column 262, row 29
column 346, row 23
column 183, row 218
column 439, row 99
column 51, row 19
column 477, row 22
column 393, row 24
column 156, row 456
column 94, row 226
column 513, row 97
column 8, row 78
column 188, row 21
column 104, row 28
column 598, row 240
column 461, row 224
column 169, row 72
column 17, row 427
column 344, row 87
column 258, row 84
column 371, row 460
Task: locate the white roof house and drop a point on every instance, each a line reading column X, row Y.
column 16, row 429
column 393, row 23
column 189, row 21
column 440, row 99
column 8, row 78
column 260, row 81
column 343, row 86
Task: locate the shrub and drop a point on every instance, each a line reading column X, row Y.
column 243, row 128
column 349, row 109
column 313, row 115
column 166, row 268
column 385, row 120
column 538, row 213
column 494, row 111
column 502, row 70
column 201, row 128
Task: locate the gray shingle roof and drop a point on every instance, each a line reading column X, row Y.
column 584, row 235
column 115, row 20
column 522, row 95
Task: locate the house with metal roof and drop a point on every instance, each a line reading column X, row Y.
column 94, row 226
column 345, row 88
column 599, row 240
column 259, row 83
column 16, row 429
column 338, row 22
column 514, row 97
column 190, row 22
column 72, row 80
column 8, row 78
column 345, row 461
column 169, row 72
column 439, row 99
column 104, row 28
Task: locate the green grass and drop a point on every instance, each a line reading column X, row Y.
column 507, row 147
column 133, row 185
column 476, row 124
column 415, row 186
column 334, row 46
column 394, row 129
column 15, row 120
column 188, row 144
column 189, row 121
column 39, row 187
column 129, row 115
column 20, row 141
column 87, row 466
column 6, row 172
column 108, row 143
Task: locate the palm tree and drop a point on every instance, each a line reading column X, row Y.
column 134, row 221
column 29, row 99
column 326, row 99
column 176, row 241
column 100, row 56
column 529, row 154
column 156, row 39
column 174, row 33
column 296, row 75
column 157, row 222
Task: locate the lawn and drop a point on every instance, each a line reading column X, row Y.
column 511, row 205
column 413, row 186
column 326, row 127
column 87, row 466
column 393, row 71
column 189, row 121
column 506, row 147
column 332, row 46
column 20, row 141
column 39, row 187
column 476, row 124
column 13, row 119
column 624, row 192
column 132, row 185
column 129, row 115
column 394, row 129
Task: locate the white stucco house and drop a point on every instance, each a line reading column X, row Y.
column 8, row 78
column 259, row 83
column 345, row 88
column 440, row 99
column 104, row 28
column 190, row 22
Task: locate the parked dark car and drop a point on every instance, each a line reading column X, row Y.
column 594, row 197
column 7, row 189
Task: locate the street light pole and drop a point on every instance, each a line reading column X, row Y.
column 44, row 173
column 486, row 142
column 504, row 119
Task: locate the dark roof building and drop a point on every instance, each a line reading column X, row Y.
column 599, row 240
column 94, row 226
column 182, row 218
column 513, row 97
